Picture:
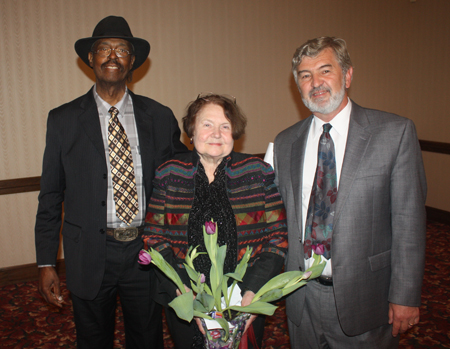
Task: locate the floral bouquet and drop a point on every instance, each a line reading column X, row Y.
column 213, row 302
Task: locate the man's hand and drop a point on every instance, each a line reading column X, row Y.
column 402, row 318
column 49, row 286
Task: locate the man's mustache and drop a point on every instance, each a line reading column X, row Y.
column 113, row 62
column 317, row 89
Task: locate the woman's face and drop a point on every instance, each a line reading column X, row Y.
column 213, row 138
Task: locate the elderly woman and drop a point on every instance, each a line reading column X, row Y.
column 213, row 182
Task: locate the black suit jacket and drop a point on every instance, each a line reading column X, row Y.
column 75, row 173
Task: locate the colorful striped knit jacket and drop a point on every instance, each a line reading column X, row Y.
column 259, row 212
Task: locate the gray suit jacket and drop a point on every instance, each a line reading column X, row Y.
column 379, row 232
column 74, row 171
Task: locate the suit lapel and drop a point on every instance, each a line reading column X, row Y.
column 297, row 159
column 144, row 125
column 358, row 140
column 90, row 121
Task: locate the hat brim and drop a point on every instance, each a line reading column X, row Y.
column 141, row 48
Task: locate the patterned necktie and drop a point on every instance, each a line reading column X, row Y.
column 122, row 170
column 319, row 221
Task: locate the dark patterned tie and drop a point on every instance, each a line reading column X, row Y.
column 319, row 221
column 122, row 170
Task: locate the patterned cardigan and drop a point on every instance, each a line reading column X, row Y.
column 259, row 212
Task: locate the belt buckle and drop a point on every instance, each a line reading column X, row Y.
column 125, row 234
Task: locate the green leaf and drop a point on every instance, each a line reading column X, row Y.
column 290, row 289
column 224, row 323
column 294, row 281
column 192, row 273
column 207, row 289
column 278, row 281
column 225, row 294
column 202, row 315
column 166, row 268
column 206, row 301
column 221, row 253
column 183, row 306
column 271, row 296
column 188, row 258
column 241, row 268
column 194, row 287
column 217, row 298
column 316, row 270
column 256, row 308
column 234, row 276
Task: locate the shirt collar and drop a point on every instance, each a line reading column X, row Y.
column 105, row 106
column 340, row 122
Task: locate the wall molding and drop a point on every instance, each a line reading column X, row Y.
column 23, row 185
column 20, row 185
column 435, row 147
column 437, row 215
column 26, row 272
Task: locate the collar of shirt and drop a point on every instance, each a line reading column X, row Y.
column 105, row 106
column 340, row 123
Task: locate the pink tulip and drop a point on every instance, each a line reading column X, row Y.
column 202, row 278
column 318, row 249
column 210, row 228
column 144, row 257
column 307, row 274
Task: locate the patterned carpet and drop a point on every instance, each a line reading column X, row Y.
column 27, row 322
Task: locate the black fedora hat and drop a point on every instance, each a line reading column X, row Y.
column 118, row 28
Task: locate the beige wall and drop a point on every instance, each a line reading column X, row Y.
column 399, row 48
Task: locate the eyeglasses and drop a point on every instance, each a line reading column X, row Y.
column 205, row 95
column 106, row 51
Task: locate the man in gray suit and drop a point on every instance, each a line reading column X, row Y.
column 374, row 243
column 103, row 217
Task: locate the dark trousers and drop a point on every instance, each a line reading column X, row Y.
column 124, row 277
column 184, row 334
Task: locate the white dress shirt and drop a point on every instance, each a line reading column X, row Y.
column 338, row 133
column 127, row 119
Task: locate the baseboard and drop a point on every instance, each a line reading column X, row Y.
column 437, row 215
column 26, row 272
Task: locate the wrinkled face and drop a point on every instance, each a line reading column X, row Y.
column 213, row 137
column 111, row 69
column 323, row 85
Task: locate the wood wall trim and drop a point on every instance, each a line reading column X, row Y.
column 435, row 147
column 23, row 185
column 437, row 215
column 20, row 185
column 26, row 272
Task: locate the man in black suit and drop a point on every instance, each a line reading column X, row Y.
column 103, row 216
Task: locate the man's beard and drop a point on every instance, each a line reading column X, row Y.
column 333, row 103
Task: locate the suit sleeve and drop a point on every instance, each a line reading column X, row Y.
column 408, row 220
column 51, row 197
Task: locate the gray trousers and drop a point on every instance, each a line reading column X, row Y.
column 320, row 326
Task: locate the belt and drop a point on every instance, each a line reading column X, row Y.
column 125, row 234
column 325, row 280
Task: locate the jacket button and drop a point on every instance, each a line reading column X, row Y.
column 102, row 231
column 103, row 203
column 105, row 176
